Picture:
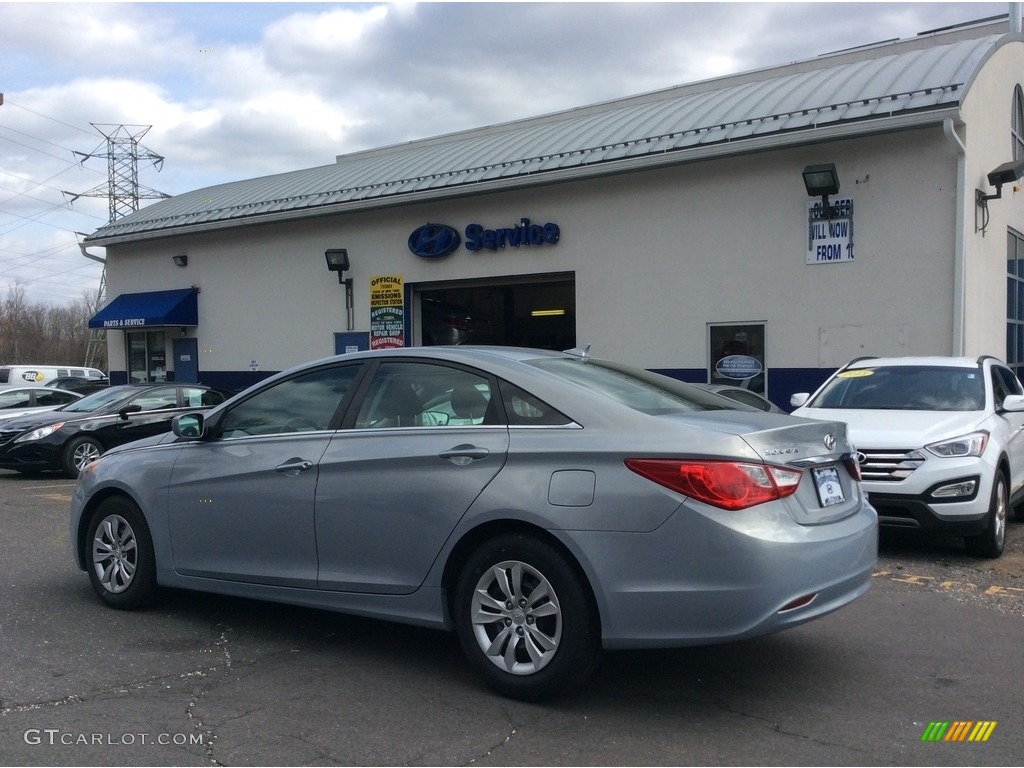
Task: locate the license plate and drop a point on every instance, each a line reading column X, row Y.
column 830, row 490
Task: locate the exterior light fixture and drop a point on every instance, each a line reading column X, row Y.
column 547, row 312
column 1007, row 173
column 337, row 261
column 821, row 180
column 181, row 260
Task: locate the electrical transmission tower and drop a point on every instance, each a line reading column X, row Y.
column 123, row 191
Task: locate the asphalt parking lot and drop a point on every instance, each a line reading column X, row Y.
column 208, row 680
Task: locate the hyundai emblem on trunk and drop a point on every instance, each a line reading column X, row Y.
column 830, row 442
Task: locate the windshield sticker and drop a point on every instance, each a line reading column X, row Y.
column 856, row 374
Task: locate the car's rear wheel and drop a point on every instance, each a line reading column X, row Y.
column 525, row 618
column 78, row 453
column 120, row 561
column 991, row 541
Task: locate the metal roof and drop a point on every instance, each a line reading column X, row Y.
column 796, row 103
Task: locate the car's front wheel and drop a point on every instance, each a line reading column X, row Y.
column 525, row 618
column 78, row 452
column 120, row 560
column 991, row 541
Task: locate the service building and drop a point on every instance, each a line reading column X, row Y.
column 679, row 230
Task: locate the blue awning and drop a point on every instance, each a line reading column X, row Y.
column 148, row 310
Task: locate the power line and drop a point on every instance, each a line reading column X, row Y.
column 10, row 103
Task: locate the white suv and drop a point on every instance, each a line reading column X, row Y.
column 939, row 439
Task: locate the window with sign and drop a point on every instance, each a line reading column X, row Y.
column 736, row 355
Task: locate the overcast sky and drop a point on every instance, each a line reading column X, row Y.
column 241, row 90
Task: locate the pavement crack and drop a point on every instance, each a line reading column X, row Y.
column 500, row 745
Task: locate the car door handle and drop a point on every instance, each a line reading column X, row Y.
column 461, row 455
column 295, row 465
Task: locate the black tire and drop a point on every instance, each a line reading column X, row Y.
column 78, row 452
column 119, row 555
column 992, row 541
column 542, row 637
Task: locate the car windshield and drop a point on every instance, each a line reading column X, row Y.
column 97, row 400
column 638, row 389
column 905, row 388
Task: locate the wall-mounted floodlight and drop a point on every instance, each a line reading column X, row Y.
column 821, row 180
column 1007, row 173
column 181, row 259
column 337, row 261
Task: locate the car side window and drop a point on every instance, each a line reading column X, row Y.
column 1005, row 383
column 54, row 398
column 157, row 399
column 523, row 409
column 425, row 395
column 15, row 399
column 305, row 403
column 196, row 397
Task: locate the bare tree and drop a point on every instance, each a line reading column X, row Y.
column 39, row 333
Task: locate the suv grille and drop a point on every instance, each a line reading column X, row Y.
column 889, row 465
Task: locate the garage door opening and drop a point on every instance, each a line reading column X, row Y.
column 523, row 312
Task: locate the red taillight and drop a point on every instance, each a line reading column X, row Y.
column 725, row 484
column 850, row 462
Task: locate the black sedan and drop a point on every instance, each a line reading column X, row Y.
column 68, row 438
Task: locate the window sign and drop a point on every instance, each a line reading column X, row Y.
column 737, row 355
column 387, row 312
column 830, row 233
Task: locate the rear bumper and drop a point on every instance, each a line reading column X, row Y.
column 695, row 581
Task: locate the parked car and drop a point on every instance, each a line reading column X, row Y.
column 21, row 400
column 573, row 504
column 79, row 384
column 939, row 438
column 743, row 395
column 69, row 437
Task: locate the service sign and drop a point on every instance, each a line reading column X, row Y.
column 387, row 312
column 830, row 235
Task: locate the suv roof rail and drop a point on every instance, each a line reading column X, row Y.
column 857, row 360
column 983, row 358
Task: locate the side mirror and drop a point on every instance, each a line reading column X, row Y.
column 123, row 413
column 188, row 425
column 1013, row 403
column 799, row 399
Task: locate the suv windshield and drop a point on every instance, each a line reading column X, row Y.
column 905, row 388
column 638, row 389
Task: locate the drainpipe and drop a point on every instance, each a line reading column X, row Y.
column 959, row 239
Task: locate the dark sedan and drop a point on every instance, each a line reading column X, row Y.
column 68, row 438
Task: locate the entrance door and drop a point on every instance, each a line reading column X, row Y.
column 186, row 360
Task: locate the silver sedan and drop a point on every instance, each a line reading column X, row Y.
column 542, row 505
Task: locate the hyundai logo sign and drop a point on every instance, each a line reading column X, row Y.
column 434, row 241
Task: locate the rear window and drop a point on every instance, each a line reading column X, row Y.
column 905, row 388
column 633, row 387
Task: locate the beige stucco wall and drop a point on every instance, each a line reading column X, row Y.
column 656, row 256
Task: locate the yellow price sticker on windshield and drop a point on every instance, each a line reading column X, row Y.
column 855, row 374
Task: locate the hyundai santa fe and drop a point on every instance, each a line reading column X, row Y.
column 939, row 441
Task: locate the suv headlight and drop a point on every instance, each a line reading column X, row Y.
column 39, row 434
column 965, row 445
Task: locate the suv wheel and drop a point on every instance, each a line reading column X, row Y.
column 991, row 541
